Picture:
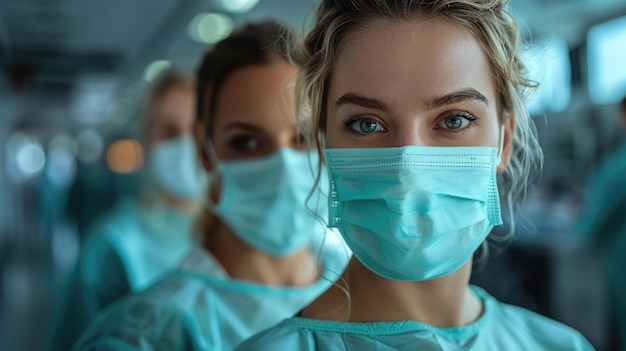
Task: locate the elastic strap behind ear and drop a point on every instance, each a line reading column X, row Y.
column 500, row 143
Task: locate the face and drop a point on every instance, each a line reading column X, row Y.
column 255, row 112
column 423, row 82
column 171, row 114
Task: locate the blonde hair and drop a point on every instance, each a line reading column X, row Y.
column 166, row 81
column 489, row 23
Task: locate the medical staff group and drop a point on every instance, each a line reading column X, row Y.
column 327, row 193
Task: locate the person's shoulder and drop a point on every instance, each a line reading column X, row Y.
column 120, row 220
column 106, row 234
column 542, row 331
column 178, row 287
column 610, row 169
column 286, row 335
column 159, row 316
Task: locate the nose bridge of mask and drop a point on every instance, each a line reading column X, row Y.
column 286, row 161
column 263, row 200
column 175, row 167
column 355, row 168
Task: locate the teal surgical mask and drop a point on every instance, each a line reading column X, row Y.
column 176, row 168
column 265, row 200
column 416, row 212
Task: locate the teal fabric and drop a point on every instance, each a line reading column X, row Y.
column 199, row 307
column 124, row 253
column 281, row 214
column 416, row 194
column 501, row 327
column 603, row 224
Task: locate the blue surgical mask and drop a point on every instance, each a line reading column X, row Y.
column 416, row 212
column 266, row 200
column 176, row 168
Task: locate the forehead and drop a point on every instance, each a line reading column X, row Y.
column 423, row 57
column 176, row 103
column 263, row 94
column 173, row 94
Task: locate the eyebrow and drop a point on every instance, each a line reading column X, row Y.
column 356, row 99
column 458, row 96
column 448, row 99
column 245, row 126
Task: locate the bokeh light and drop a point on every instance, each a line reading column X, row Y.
column 30, row 158
column 61, row 166
column 154, row 69
column 25, row 155
column 125, row 156
column 210, row 27
column 238, row 6
column 89, row 146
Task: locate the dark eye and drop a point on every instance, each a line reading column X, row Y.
column 454, row 122
column 244, row 143
column 166, row 132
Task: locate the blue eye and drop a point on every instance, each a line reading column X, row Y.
column 364, row 126
column 454, row 122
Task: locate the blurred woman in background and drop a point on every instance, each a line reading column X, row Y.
column 141, row 238
column 265, row 254
column 602, row 223
column 419, row 117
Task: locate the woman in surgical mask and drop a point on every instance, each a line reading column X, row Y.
column 265, row 253
column 418, row 114
column 141, row 239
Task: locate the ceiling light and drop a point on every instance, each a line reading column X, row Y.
column 154, row 69
column 238, row 6
column 210, row 27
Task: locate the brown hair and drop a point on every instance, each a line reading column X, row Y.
column 253, row 44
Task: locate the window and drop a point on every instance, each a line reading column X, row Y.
column 547, row 61
column 606, row 53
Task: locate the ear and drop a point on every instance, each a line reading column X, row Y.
column 507, row 145
column 199, row 134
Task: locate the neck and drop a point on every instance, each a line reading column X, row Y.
column 441, row 302
column 187, row 206
column 246, row 263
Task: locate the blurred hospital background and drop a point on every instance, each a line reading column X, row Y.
column 74, row 73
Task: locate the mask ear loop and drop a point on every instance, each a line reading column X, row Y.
column 500, row 144
column 213, row 175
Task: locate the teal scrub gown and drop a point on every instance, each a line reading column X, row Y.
column 199, row 307
column 603, row 224
column 127, row 250
column 501, row 327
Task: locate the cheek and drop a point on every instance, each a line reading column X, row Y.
column 151, row 139
column 215, row 191
column 336, row 135
column 329, row 138
column 491, row 131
